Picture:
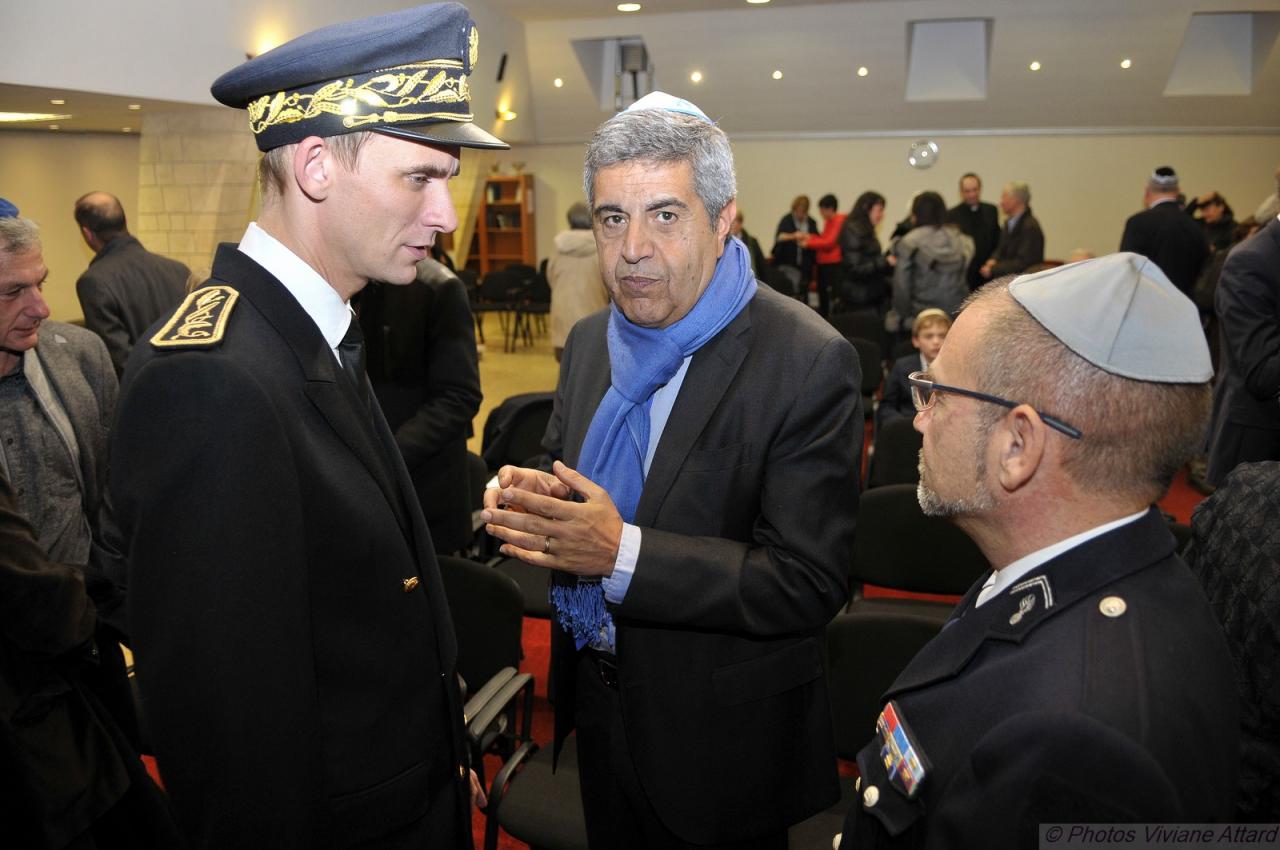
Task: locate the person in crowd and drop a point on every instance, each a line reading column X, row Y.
column 1056, row 414
column 826, row 248
column 1269, row 208
column 928, row 331
column 978, row 220
column 1206, row 290
column 1161, row 232
column 1235, row 552
column 759, row 266
column 931, row 261
column 866, row 268
column 789, row 254
column 126, row 287
column 58, row 396
column 293, row 645
column 423, row 365
column 695, row 427
column 1021, row 244
column 1216, row 218
column 1246, row 414
column 71, row 777
column 577, row 290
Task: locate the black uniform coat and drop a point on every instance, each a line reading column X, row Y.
column 983, row 226
column 422, row 361
column 1170, row 239
column 124, row 290
column 294, row 648
column 1038, row 707
column 747, row 519
column 1246, row 397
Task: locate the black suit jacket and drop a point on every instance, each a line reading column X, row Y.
column 1246, row 398
column 124, row 290
column 421, row 343
column 747, row 519
column 1039, row 707
column 293, row 643
column 1019, row 249
column 1171, row 240
column 983, row 226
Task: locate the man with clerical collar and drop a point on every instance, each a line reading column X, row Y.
column 1085, row 679
column 980, row 221
column 294, row 648
column 700, row 514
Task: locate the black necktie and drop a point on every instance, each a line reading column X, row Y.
column 351, row 353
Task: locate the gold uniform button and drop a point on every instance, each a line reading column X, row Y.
column 1112, row 606
column 411, row 584
column 462, row 771
column 871, row 796
column 857, row 784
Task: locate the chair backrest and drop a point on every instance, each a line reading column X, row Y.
column 502, row 287
column 513, row 430
column 861, row 323
column 872, row 364
column 865, row 652
column 895, row 458
column 488, row 616
column 897, row 546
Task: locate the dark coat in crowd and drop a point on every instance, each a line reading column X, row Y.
column 293, row 644
column 421, row 345
column 1171, row 240
column 866, row 271
column 982, row 225
column 719, row 638
column 1235, row 552
column 1246, row 396
column 790, row 253
column 1219, row 234
column 1098, row 689
column 125, row 290
column 1018, row 249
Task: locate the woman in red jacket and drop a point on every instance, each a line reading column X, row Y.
column 828, row 251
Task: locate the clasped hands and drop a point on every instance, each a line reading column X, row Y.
column 540, row 522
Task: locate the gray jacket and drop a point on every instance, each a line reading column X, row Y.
column 930, row 270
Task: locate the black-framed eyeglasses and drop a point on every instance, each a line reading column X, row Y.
column 924, row 393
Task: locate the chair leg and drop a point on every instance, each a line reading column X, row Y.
column 480, row 325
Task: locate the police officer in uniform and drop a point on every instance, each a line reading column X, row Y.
column 1085, row 680
column 294, row 648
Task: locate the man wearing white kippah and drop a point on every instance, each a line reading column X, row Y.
column 1085, row 680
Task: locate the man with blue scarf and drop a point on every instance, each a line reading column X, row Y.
column 700, row 514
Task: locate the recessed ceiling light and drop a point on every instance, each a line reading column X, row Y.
column 135, row 106
column 695, row 77
column 126, row 129
column 757, row 2
column 54, row 127
column 558, row 83
column 58, row 101
column 19, row 117
column 628, row 7
column 777, row 75
column 1034, row 66
column 506, row 115
column 862, row 72
column 1126, row 63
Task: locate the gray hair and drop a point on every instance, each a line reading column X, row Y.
column 1020, row 190
column 659, row 135
column 1137, row 434
column 579, row 216
column 18, row 236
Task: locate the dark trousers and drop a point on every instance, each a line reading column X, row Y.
column 828, row 282
column 619, row 814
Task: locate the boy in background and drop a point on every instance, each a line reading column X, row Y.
column 927, row 333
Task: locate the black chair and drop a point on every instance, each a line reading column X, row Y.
column 866, row 324
column 898, row 547
column 534, row 804
column 895, row 454
column 872, row 372
column 513, row 430
column 488, row 617
column 501, row 292
column 901, row 349
column 533, row 586
column 536, row 306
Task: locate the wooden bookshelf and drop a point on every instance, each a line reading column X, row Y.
column 505, row 226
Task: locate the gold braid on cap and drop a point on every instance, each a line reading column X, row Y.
column 377, row 100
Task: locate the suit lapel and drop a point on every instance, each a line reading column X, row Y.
column 326, row 387
column 66, row 388
column 710, row 373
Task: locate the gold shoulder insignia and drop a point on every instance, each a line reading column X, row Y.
column 200, row 322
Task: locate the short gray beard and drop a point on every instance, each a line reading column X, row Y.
column 933, row 504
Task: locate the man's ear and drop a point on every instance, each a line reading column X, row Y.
column 314, row 167
column 724, row 222
column 1021, row 437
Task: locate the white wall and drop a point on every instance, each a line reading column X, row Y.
column 44, row 173
column 1083, row 187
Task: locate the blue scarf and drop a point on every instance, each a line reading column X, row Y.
column 642, row 360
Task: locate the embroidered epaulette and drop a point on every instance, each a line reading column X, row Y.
column 201, row 320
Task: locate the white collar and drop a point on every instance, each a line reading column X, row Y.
column 320, row 300
column 1160, row 201
column 1005, row 578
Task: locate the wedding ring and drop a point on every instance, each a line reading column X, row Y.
column 546, row 546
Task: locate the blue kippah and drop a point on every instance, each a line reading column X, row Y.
column 406, row 74
column 7, row 209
